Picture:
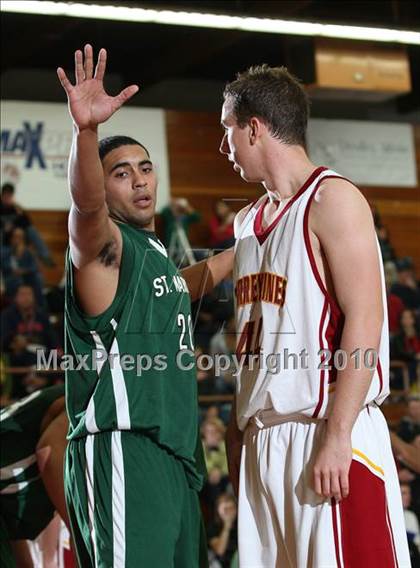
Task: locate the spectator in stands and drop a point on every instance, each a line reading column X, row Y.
column 407, row 457
column 405, row 345
column 221, row 226
column 409, row 426
column 411, row 525
column 19, row 266
column 223, row 533
column 408, row 454
column 406, row 288
column 387, row 251
column 224, row 342
column 395, row 304
column 178, row 213
column 25, row 329
column 212, row 432
column 212, row 412
column 12, row 215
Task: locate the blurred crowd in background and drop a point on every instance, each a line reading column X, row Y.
column 32, row 319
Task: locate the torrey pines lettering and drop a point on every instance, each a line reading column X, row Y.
column 261, row 287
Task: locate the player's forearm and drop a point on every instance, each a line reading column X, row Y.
column 406, row 453
column 205, row 275
column 86, row 178
column 361, row 332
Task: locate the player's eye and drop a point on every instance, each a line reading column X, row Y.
column 147, row 170
column 121, row 174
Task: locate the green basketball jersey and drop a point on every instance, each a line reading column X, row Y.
column 136, row 366
column 21, row 489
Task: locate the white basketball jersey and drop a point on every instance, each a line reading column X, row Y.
column 289, row 327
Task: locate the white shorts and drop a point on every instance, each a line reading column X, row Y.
column 284, row 524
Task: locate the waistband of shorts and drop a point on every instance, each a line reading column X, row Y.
column 268, row 418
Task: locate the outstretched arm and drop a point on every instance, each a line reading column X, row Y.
column 342, row 221
column 203, row 276
column 90, row 228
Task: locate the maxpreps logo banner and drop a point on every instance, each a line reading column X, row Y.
column 36, row 141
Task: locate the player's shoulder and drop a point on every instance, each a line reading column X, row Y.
column 336, row 193
column 339, row 201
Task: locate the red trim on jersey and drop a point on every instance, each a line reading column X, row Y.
column 322, row 371
column 335, row 531
column 366, row 536
column 335, row 324
column 333, row 338
column 334, row 306
column 262, row 233
column 381, row 381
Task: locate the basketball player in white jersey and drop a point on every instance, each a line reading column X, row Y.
column 307, row 444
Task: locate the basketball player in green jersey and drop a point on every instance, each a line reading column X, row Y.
column 33, row 441
column 131, row 476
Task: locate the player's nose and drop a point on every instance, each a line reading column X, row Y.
column 224, row 146
column 139, row 180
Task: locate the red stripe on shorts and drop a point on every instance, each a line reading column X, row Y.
column 335, row 529
column 365, row 533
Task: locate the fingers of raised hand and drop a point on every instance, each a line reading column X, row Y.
column 67, row 86
column 101, row 65
column 126, row 94
column 88, row 61
column 78, row 67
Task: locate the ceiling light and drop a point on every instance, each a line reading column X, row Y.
column 195, row 19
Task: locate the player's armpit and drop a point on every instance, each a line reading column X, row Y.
column 90, row 233
column 96, row 281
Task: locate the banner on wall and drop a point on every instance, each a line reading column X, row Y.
column 35, row 146
column 367, row 152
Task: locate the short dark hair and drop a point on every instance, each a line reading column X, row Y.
column 8, row 188
column 110, row 143
column 276, row 97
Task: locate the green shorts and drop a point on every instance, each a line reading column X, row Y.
column 129, row 504
column 7, row 560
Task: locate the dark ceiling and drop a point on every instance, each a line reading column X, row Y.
column 180, row 67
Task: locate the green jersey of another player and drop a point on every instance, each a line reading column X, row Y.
column 33, row 432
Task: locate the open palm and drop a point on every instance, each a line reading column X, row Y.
column 89, row 104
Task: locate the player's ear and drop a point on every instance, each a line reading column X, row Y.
column 255, row 129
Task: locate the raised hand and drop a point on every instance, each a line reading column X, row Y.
column 89, row 104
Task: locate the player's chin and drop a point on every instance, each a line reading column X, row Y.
column 145, row 217
column 248, row 177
